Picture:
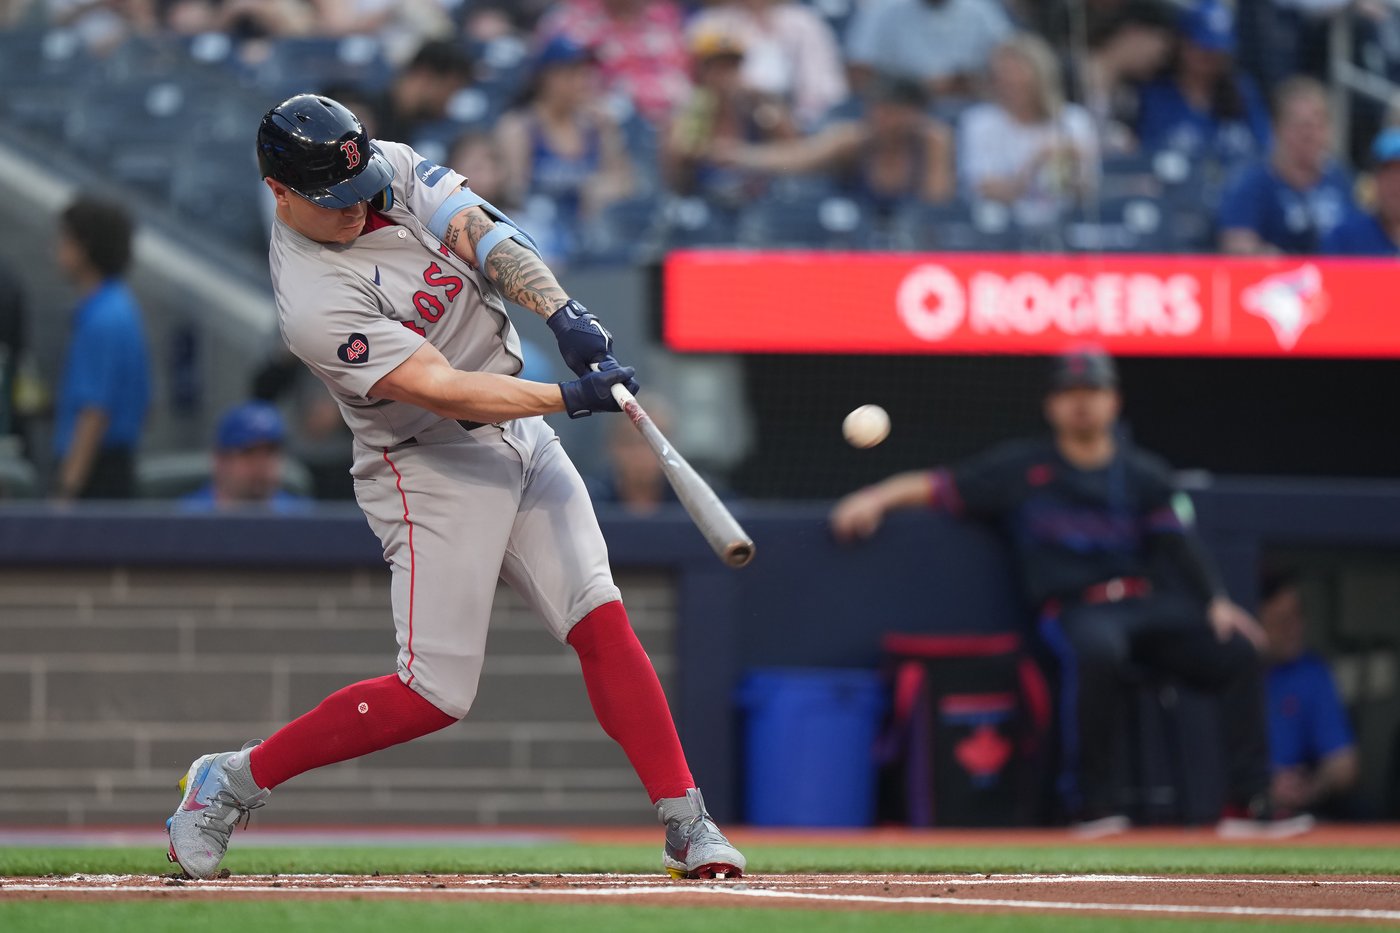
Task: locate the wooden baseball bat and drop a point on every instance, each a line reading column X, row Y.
column 725, row 535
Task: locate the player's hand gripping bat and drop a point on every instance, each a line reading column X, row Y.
column 724, row 534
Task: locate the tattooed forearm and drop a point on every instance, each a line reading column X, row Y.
column 473, row 224
column 524, row 278
column 520, row 275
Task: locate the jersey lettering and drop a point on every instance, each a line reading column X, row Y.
column 435, row 277
column 429, row 305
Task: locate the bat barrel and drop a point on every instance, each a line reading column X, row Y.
column 725, row 536
column 738, row 553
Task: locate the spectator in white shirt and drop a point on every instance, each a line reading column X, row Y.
column 1027, row 147
column 945, row 44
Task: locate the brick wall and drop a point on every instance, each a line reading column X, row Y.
column 113, row 680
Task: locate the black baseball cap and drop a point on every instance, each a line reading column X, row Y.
column 1083, row 368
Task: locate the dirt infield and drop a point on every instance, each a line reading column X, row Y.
column 1266, row 899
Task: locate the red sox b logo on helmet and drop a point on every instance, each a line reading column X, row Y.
column 352, row 153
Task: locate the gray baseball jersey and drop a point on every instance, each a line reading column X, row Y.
column 354, row 312
column 455, row 509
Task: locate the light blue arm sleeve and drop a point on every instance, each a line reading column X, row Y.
column 505, row 228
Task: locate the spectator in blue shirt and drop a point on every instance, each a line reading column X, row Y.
column 1375, row 232
column 1205, row 107
column 105, row 391
column 247, row 464
column 1314, row 755
column 1291, row 200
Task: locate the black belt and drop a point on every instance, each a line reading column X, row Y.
column 1110, row 591
column 466, row 425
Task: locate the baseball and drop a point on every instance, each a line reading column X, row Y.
column 867, row 426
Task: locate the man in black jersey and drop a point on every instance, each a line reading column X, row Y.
column 1092, row 521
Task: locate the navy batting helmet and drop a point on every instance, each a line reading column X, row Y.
column 318, row 148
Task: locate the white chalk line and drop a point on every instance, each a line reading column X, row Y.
column 740, row 891
column 814, row 880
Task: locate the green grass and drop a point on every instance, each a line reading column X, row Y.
column 420, row 917
column 417, row 916
column 1251, row 860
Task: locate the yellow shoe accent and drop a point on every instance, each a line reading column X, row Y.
column 676, row 873
column 184, row 779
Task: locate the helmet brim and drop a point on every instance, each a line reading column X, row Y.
column 374, row 178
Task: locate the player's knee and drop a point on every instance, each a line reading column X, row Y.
column 451, row 702
column 450, row 687
column 605, row 625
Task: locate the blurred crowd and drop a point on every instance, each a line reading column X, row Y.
column 586, row 119
column 931, row 124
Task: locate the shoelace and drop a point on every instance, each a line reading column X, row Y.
column 216, row 824
column 701, row 828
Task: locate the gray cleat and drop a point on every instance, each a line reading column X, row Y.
column 695, row 848
column 219, row 792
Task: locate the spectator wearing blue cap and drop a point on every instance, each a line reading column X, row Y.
column 247, row 464
column 102, row 400
column 1205, row 107
column 561, row 151
column 1292, row 200
column 1375, row 232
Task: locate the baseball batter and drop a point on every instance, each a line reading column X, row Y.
column 389, row 275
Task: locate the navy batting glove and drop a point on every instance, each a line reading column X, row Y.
column 583, row 340
column 593, row 392
column 632, row 385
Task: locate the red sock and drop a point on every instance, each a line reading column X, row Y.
column 351, row 722
column 628, row 700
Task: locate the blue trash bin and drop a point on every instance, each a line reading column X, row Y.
column 809, row 741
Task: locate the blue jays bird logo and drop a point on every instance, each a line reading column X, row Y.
column 1289, row 302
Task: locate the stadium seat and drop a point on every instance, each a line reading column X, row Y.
column 1125, row 176
column 18, row 478
column 625, row 232
column 688, row 222
column 955, row 226
column 218, row 187
column 433, row 141
column 290, row 66
column 42, row 74
column 502, row 68
column 830, row 222
column 1118, row 225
